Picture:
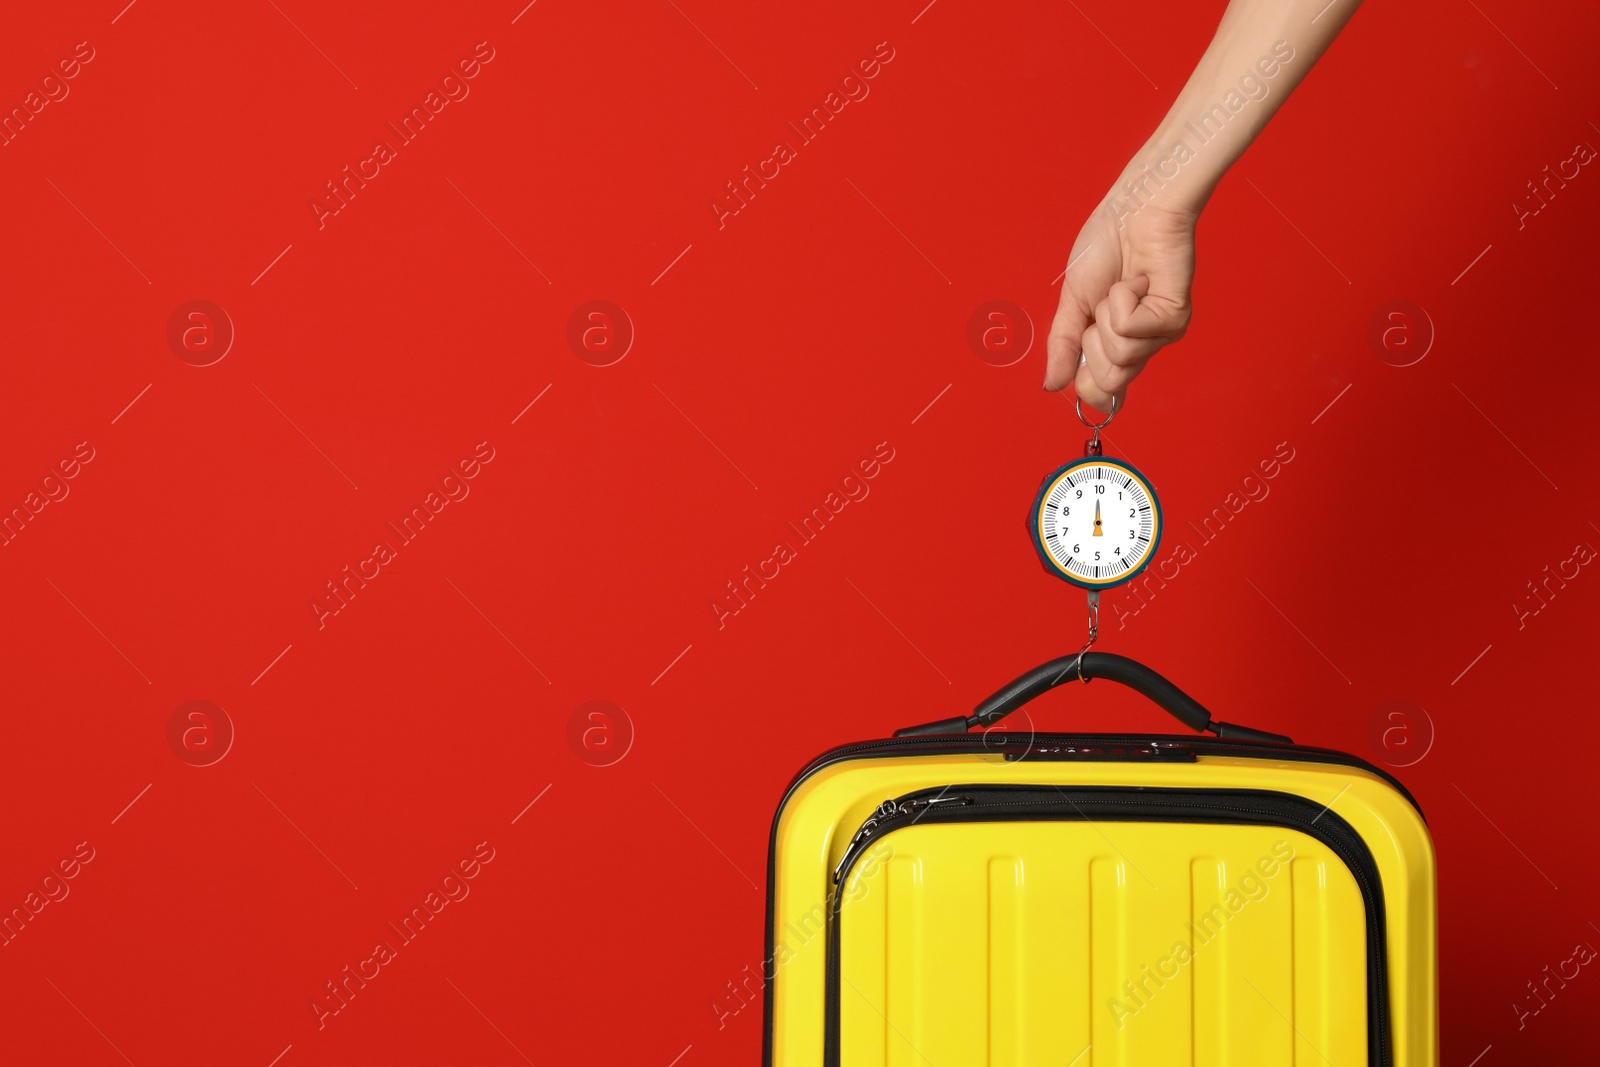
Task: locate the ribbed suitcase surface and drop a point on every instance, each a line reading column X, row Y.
column 1082, row 944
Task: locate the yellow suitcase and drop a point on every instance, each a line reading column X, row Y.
column 947, row 899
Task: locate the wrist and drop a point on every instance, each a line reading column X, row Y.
column 1167, row 173
column 1211, row 123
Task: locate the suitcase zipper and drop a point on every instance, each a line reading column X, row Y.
column 1018, row 803
column 998, row 742
column 889, row 809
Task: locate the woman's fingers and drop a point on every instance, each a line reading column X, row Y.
column 1115, row 344
column 1142, row 308
column 1092, row 395
column 1098, row 379
column 1121, row 349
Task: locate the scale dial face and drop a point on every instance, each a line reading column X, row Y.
column 1096, row 522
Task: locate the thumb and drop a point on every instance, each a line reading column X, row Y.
column 1065, row 343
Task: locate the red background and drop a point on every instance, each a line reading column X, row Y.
column 771, row 355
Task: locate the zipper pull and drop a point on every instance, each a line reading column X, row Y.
column 911, row 807
column 890, row 809
column 883, row 811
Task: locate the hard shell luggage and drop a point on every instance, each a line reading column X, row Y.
column 948, row 899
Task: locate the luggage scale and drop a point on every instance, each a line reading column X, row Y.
column 1096, row 523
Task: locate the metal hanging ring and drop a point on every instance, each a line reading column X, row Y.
column 1094, row 632
column 1078, row 404
column 1078, row 666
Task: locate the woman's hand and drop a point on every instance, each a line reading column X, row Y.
column 1124, row 297
column 1126, row 292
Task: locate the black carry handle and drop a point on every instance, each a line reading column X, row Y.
column 1134, row 675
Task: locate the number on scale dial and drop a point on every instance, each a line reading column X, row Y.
column 1096, row 522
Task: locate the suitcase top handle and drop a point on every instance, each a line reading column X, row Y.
column 1090, row 665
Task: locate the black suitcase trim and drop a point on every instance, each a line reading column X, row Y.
column 1009, row 803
